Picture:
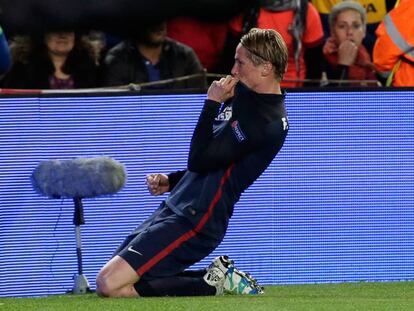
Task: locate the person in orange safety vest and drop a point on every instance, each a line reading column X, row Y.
column 394, row 49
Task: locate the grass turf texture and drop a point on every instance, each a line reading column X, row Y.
column 346, row 296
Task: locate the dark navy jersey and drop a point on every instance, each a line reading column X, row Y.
column 231, row 146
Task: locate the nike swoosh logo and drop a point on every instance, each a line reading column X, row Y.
column 134, row 251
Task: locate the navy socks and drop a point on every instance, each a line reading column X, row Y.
column 187, row 283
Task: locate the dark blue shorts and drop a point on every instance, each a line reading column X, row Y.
column 165, row 245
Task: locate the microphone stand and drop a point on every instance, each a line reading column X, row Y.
column 81, row 283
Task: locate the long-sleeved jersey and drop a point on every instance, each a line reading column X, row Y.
column 231, row 147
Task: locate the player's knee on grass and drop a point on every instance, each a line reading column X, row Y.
column 104, row 288
column 116, row 279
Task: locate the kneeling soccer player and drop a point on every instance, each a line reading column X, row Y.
column 241, row 128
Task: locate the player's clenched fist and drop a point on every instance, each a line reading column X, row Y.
column 157, row 183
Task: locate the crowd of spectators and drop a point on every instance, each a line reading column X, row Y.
column 330, row 43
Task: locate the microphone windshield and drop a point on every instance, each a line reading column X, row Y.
column 79, row 178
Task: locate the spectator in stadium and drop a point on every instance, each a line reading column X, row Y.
column 54, row 60
column 394, row 49
column 97, row 40
column 300, row 26
column 150, row 57
column 5, row 58
column 204, row 37
column 241, row 128
column 346, row 56
column 376, row 10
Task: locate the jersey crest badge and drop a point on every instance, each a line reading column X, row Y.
column 238, row 131
column 225, row 115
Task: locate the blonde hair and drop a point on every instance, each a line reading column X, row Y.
column 267, row 45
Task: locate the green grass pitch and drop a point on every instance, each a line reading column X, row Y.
column 387, row 296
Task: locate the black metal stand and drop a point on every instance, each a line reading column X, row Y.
column 81, row 283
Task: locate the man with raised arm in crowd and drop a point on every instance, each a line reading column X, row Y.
column 241, row 128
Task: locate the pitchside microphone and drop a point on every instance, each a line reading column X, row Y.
column 77, row 179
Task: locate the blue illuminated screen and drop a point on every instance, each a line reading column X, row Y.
column 336, row 204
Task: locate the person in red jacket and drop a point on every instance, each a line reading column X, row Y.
column 345, row 55
column 204, row 37
column 394, row 48
column 300, row 27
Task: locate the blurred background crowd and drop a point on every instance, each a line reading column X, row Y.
column 182, row 44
